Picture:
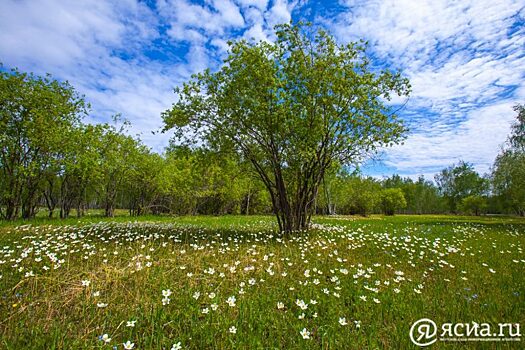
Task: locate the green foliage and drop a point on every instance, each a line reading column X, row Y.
column 459, row 181
column 473, row 204
column 277, row 144
column 51, row 159
column 206, row 182
column 120, row 155
column 517, row 135
column 292, row 108
column 392, row 199
column 350, row 194
column 362, row 196
column 509, row 180
column 37, row 117
column 422, row 196
column 508, row 175
column 354, row 194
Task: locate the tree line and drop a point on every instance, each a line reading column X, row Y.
column 52, row 161
column 279, row 126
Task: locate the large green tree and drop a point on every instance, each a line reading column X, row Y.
column 201, row 181
column 509, row 168
column 473, row 204
column 460, row 181
column 292, row 108
column 119, row 154
column 77, row 170
column 392, row 199
column 422, row 196
column 37, row 115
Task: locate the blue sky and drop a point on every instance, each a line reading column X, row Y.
column 465, row 60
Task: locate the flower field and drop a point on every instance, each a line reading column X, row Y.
column 234, row 283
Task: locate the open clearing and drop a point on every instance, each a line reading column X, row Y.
column 232, row 282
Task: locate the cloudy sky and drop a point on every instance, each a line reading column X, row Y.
column 465, row 60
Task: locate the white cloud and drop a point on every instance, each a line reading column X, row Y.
column 229, row 12
column 211, row 20
column 185, row 34
column 477, row 139
column 221, row 45
column 57, row 33
column 463, row 59
column 260, row 4
column 409, row 29
column 257, row 33
column 280, row 12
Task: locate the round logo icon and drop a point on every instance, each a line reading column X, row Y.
column 423, row 332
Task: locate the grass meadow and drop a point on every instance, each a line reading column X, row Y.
column 232, row 282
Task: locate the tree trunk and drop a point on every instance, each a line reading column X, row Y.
column 328, row 199
column 109, row 210
column 248, row 204
column 29, row 202
column 294, row 217
column 11, row 211
column 293, row 210
column 50, row 203
column 110, row 200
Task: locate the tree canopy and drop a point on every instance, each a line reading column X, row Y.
column 51, row 160
column 459, row 181
column 37, row 116
column 392, row 199
column 509, row 167
column 292, row 109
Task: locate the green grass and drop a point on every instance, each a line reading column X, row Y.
column 447, row 268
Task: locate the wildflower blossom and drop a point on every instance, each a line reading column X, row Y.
column 231, row 301
column 305, row 333
column 301, row 304
column 105, row 338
